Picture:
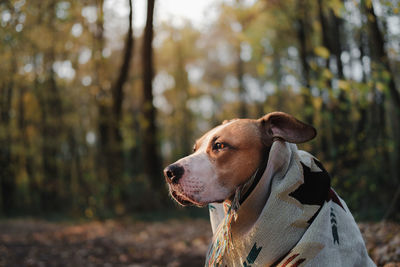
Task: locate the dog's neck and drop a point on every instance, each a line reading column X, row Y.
column 249, row 186
column 244, row 190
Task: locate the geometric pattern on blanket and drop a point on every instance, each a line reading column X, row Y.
column 292, row 218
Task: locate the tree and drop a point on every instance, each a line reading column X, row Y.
column 151, row 157
column 110, row 115
column 7, row 168
column 381, row 65
column 302, row 31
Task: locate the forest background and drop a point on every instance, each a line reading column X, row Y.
column 92, row 107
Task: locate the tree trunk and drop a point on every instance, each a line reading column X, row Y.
column 336, row 43
column 278, row 77
column 341, row 110
column 152, row 160
column 379, row 54
column 114, row 144
column 26, row 158
column 7, row 172
column 117, row 91
column 103, row 108
column 302, row 29
column 51, row 128
column 381, row 59
column 324, row 28
column 185, row 116
column 110, row 160
column 241, row 90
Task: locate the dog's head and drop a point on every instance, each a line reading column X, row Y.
column 228, row 155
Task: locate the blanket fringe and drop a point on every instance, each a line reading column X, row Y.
column 223, row 236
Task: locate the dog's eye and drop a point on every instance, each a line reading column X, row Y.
column 218, row 146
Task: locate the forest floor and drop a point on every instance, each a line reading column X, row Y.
column 139, row 243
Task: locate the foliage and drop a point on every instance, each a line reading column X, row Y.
column 332, row 63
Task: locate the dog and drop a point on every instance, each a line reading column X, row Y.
column 270, row 203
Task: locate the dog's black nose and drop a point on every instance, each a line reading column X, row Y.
column 173, row 173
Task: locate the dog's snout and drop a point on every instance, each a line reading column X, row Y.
column 173, row 173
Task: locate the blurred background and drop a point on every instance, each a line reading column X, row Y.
column 96, row 96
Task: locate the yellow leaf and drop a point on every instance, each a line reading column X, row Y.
column 336, row 6
column 327, row 74
column 380, row 87
column 322, row 51
column 260, row 69
column 89, row 213
column 344, row 85
column 317, row 103
column 313, row 65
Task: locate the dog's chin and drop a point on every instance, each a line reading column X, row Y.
column 184, row 200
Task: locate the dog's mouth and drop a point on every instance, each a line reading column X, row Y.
column 184, row 200
column 181, row 199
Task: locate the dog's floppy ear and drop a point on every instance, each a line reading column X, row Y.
column 284, row 126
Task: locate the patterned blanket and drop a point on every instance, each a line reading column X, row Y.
column 292, row 217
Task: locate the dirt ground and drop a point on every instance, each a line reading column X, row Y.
column 132, row 243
